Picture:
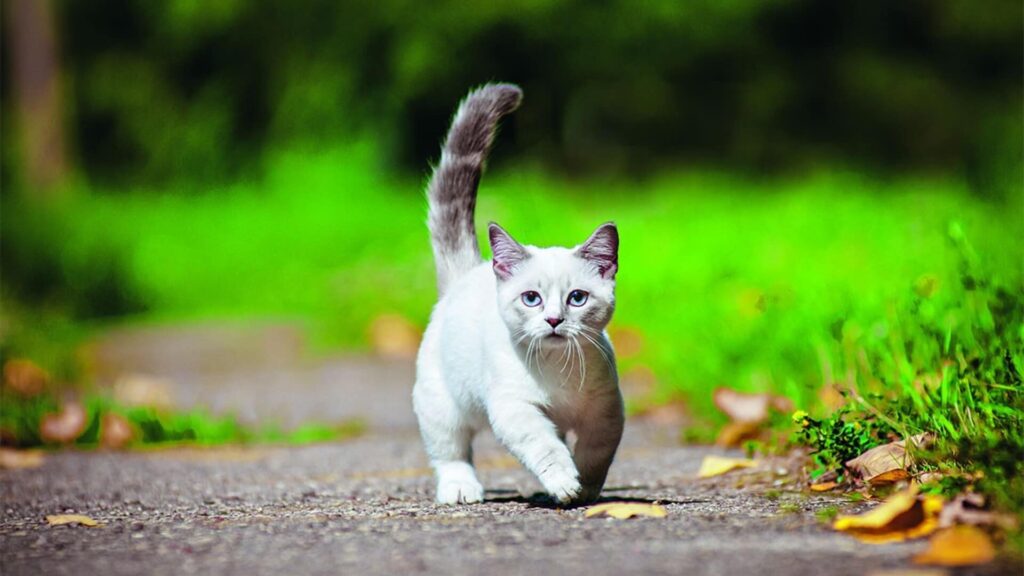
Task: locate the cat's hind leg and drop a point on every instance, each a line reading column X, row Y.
column 447, row 438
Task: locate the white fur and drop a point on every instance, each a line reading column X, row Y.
column 489, row 360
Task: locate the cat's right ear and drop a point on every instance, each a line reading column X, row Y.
column 508, row 254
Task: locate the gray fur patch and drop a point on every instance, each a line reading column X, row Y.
column 452, row 190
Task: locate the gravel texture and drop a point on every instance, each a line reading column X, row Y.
column 365, row 506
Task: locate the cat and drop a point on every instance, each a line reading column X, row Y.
column 518, row 343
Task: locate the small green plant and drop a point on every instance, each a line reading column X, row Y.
column 834, row 440
column 827, row 514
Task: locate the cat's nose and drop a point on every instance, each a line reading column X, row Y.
column 554, row 322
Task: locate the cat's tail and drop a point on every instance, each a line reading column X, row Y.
column 452, row 189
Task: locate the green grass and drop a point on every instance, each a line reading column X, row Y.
column 776, row 284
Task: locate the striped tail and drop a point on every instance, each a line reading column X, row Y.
column 452, row 190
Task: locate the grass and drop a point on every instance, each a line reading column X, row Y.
column 783, row 284
column 948, row 367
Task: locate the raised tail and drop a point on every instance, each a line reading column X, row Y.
column 452, row 189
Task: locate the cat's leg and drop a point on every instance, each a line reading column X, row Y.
column 532, row 438
column 598, row 437
column 447, row 438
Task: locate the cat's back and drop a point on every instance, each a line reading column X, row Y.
column 459, row 327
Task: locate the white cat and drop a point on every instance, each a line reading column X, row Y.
column 517, row 344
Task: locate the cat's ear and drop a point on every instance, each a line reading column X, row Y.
column 508, row 254
column 602, row 249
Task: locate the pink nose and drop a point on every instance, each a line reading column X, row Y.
column 554, row 322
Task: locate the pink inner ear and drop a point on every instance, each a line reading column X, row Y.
column 602, row 248
column 501, row 270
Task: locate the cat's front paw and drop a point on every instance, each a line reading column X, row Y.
column 563, row 487
column 452, row 491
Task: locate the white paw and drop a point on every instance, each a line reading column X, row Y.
column 563, row 487
column 459, row 491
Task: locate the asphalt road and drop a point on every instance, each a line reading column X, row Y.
column 364, row 506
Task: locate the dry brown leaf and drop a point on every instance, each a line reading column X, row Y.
column 717, row 465
column 735, row 433
column 902, row 516
column 628, row 341
column 823, row 487
column 25, row 377
column 746, row 407
column 65, row 426
column 624, row 510
column 392, row 336
column 115, row 431
column 958, row 546
column 61, row 519
column 16, row 459
column 886, row 464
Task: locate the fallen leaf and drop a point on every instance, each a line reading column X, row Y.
column 25, row 377
column 886, row 464
column 823, row 487
column 717, row 465
column 958, row 546
column 16, row 459
column 746, row 407
column 392, row 336
column 628, row 342
column 902, row 516
column 115, row 431
column 61, row 519
column 144, row 391
column 735, row 433
column 65, row 426
column 624, row 510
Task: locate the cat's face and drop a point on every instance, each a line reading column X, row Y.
column 553, row 295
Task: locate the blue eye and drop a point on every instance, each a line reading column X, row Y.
column 531, row 299
column 578, row 298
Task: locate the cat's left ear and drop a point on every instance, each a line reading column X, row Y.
column 602, row 249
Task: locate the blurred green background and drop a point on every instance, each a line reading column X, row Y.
column 789, row 177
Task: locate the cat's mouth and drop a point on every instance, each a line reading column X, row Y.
column 554, row 336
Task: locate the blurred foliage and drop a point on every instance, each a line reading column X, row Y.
column 161, row 91
column 728, row 280
column 21, row 417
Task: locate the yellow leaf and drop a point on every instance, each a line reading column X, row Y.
column 717, row 465
column 61, row 519
column 623, row 510
column 823, row 487
column 11, row 458
column 958, row 546
column 902, row 516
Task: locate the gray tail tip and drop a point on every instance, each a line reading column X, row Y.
column 502, row 97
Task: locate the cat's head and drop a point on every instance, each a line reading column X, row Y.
column 553, row 294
